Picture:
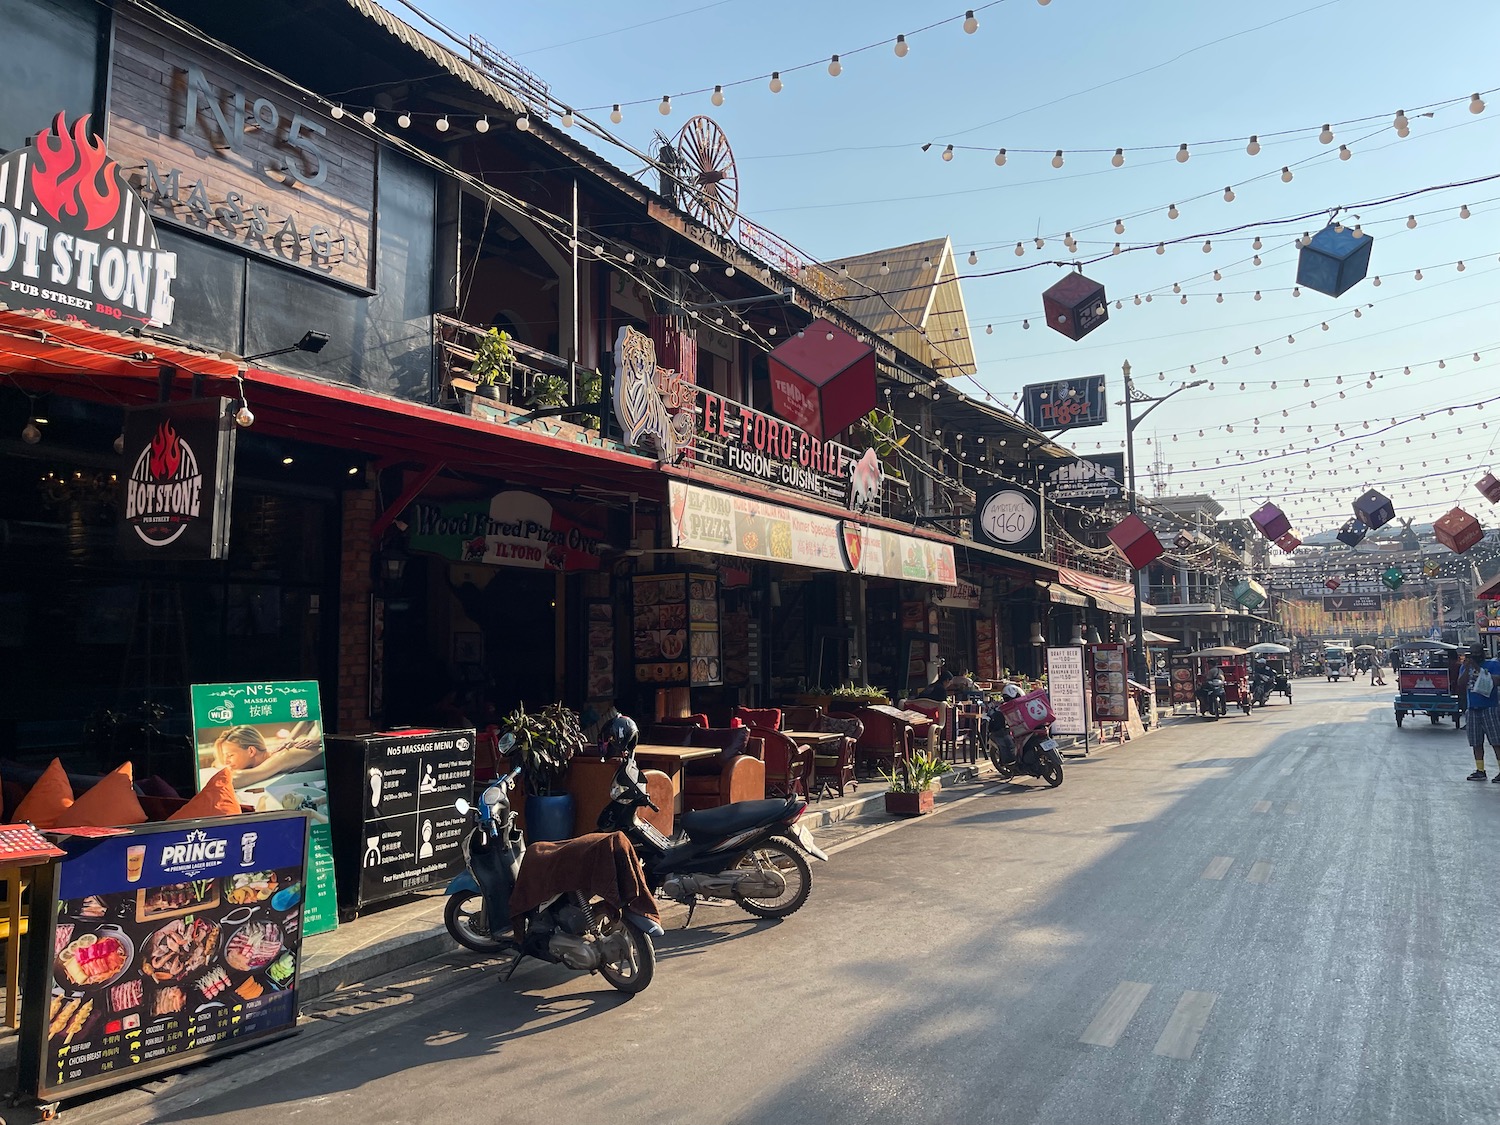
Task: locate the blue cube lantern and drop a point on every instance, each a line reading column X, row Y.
column 1334, row 260
column 1352, row 534
column 1374, row 509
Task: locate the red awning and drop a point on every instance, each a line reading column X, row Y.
column 1490, row 591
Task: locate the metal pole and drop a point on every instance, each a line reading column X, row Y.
column 573, row 349
column 1138, row 643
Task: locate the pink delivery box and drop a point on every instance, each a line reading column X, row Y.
column 1027, row 712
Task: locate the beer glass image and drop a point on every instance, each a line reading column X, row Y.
column 135, row 859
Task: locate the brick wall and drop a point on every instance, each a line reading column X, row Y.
column 355, row 585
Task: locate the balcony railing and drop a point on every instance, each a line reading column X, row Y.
column 458, row 343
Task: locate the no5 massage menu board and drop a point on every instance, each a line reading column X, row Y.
column 169, row 944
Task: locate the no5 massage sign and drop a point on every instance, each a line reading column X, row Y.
column 1010, row 516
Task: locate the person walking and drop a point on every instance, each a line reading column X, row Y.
column 1377, row 677
column 1480, row 682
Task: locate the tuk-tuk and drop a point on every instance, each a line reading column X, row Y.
column 1273, row 658
column 1427, row 680
column 1235, row 665
column 1337, row 662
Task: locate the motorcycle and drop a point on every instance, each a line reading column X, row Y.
column 1037, row 755
column 1212, row 702
column 750, row 851
column 1262, row 683
column 567, row 929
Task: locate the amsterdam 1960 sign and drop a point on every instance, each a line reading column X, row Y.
column 1009, row 516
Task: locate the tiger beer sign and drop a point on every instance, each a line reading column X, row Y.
column 75, row 240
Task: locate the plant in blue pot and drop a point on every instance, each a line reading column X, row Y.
column 546, row 742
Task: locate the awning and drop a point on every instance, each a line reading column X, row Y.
column 1061, row 595
column 1109, row 594
column 1155, row 640
column 1490, row 591
column 1111, row 604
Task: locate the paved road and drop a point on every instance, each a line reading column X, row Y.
column 1290, row 917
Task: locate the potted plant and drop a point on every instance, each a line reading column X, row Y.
column 913, row 783
column 546, row 742
column 493, row 363
column 548, row 390
column 857, row 695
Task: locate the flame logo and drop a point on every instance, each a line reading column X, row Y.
column 166, row 452
column 72, row 176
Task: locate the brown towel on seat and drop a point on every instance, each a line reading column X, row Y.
column 601, row 865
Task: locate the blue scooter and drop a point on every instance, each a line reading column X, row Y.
column 567, row 930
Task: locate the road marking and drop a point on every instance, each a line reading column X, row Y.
column 1286, row 770
column 1186, row 1025
column 1260, row 872
column 1261, row 806
column 1218, row 867
column 1293, row 808
column 1116, row 1014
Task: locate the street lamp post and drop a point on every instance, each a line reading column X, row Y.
column 1132, row 396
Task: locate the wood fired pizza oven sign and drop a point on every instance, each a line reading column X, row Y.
column 75, row 240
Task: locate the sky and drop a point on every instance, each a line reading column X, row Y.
column 835, row 165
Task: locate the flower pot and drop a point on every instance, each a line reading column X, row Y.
column 909, row 804
column 549, row 818
column 488, row 390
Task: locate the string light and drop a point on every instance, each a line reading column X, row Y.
column 1463, row 211
column 1253, row 148
column 1229, row 195
column 1118, row 159
column 717, row 97
column 1000, row 159
column 368, row 117
column 1326, row 136
column 1344, row 153
column 901, row 48
column 665, row 108
column 1182, row 154
column 948, row 153
column 835, row 68
column 614, row 114
column 442, row 124
column 1057, row 159
column 1172, row 211
column 1286, row 174
column 775, row 82
column 482, row 125
column 404, row 120
column 337, row 112
column 973, row 258
column 523, row 123
column 971, row 25
column 1476, row 104
column 1119, row 226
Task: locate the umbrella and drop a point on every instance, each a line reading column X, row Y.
column 1365, row 648
column 1267, row 648
column 1222, row 650
column 1152, row 638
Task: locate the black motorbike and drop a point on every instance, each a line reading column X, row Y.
column 1212, row 699
column 1036, row 755
column 1262, row 684
column 750, row 851
column 568, row 930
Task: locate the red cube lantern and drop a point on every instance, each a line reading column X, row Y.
column 1490, row 487
column 1075, row 306
column 1332, row 583
column 1272, row 522
column 1137, row 542
column 1458, row 531
column 823, row 381
column 1288, row 542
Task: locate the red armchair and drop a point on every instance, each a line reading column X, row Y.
column 768, row 718
column 789, row 767
column 887, row 738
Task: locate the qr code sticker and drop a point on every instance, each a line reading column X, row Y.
column 299, row 708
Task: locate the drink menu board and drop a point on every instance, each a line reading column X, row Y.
column 675, row 638
column 1110, row 697
column 1066, row 688
column 169, row 943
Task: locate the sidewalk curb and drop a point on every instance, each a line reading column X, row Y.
column 823, row 818
column 400, row 952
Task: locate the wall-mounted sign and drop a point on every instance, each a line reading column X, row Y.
column 178, row 481
column 75, row 241
column 748, row 443
column 964, row 595
column 706, row 519
column 217, row 148
column 511, row 528
column 1088, row 481
column 1009, row 516
column 1066, row 404
column 1351, row 603
column 650, row 401
column 1487, row 621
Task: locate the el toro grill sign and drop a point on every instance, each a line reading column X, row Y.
column 75, row 239
column 177, row 489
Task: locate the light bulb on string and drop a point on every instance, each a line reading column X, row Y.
column 1218, row 276
column 368, row 117
column 665, row 106
column 1461, row 266
column 1208, row 246
column 1463, row 211
column 1057, row 159
column 661, row 263
column 775, row 83
column 1118, row 159
column 1000, row 159
column 835, row 68
column 1161, row 247
column 1020, row 250
column 523, row 123
column 629, row 257
column 1229, row 195
column 1326, row 136
column 971, row 25
column 1253, row 148
column 1286, row 174
column 1116, row 249
column 1172, row 211
column 1255, row 261
column 901, row 47
column 1476, row 104
column 973, row 258
column 1375, row 281
column 1417, row 276
column 1411, row 222
column 1296, row 290
column 482, row 125
column 1257, row 294
column 1219, row 300
column 885, row 268
column 1119, row 226
column 948, row 153
column 717, row 97
column 1344, row 153
column 337, row 112
column 1182, row 154
column 1176, row 287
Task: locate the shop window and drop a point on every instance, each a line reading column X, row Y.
column 210, row 309
column 52, row 52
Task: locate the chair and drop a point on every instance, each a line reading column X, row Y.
column 767, row 718
column 673, row 702
column 968, row 731
column 789, row 767
column 736, row 774
column 887, row 738
column 698, row 720
column 803, row 717
column 836, row 770
column 937, row 711
column 589, row 782
column 679, row 734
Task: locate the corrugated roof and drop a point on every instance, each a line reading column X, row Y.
column 914, row 300
column 455, row 64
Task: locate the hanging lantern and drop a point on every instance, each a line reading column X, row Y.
column 1458, row 531
column 1137, row 542
column 1075, row 306
column 1374, row 509
column 1393, row 577
column 1332, row 583
column 1272, row 522
column 1288, row 542
column 1352, row 533
column 1250, row 594
column 823, row 381
column 1334, row 260
column 1183, row 541
column 1429, row 568
column 1490, row 486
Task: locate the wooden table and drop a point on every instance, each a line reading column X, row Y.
column 670, row 759
column 827, row 743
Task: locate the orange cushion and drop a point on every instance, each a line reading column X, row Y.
column 48, row 799
column 109, row 804
column 216, row 798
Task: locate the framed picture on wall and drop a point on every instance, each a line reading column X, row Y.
column 468, row 648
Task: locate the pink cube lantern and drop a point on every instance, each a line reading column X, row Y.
column 1458, row 531
column 823, row 381
column 1490, row 486
column 1137, row 542
column 1288, row 542
column 1075, row 306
